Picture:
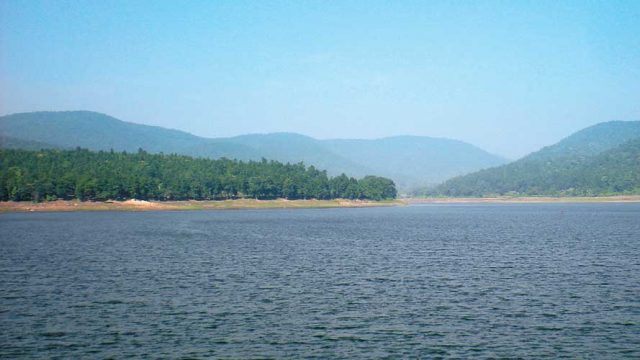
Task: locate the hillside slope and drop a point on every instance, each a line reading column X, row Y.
column 7, row 142
column 95, row 131
column 415, row 160
column 408, row 160
column 601, row 159
column 291, row 147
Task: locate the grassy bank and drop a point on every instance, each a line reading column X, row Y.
column 138, row 205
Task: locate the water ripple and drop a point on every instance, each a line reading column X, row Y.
column 472, row 281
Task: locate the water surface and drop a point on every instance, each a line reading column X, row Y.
column 526, row 280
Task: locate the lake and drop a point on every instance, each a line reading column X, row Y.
column 522, row 280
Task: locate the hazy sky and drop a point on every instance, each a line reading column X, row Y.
column 508, row 76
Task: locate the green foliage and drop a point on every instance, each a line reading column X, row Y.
column 377, row 188
column 568, row 173
column 409, row 160
column 85, row 175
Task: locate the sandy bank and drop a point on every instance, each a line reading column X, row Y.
column 142, row 205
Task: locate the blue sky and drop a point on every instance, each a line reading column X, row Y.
column 508, row 76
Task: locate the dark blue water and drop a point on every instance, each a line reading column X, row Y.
column 421, row 281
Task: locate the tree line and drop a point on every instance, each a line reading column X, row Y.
column 86, row 175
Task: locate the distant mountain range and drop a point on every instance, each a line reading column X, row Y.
column 409, row 160
column 601, row 159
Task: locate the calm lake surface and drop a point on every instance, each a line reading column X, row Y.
column 530, row 280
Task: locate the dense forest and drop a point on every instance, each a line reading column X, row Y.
column 85, row 175
column 409, row 160
column 611, row 172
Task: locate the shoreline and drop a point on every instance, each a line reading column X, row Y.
column 526, row 200
column 240, row 204
column 142, row 205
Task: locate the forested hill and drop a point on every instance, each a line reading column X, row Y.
column 86, row 175
column 95, row 131
column 409, row 160
column 599, row 160
column 591, row 141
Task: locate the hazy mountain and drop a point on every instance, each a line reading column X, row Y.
column 7, row 142
column 290, row 147
column 603, row 158
column 409, row 160
column 415, row 160
column 97, row 131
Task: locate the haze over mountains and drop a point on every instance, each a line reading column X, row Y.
column 601, row 159
column 409, row 160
